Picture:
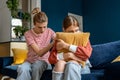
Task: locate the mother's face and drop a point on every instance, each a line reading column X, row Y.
column 40, row 27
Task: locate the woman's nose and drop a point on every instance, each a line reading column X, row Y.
column 42, row 29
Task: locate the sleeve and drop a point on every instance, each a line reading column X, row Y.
column 73, row 48
column 53, row 55
column 29, row 38
column 53, row 35
column 84, row 52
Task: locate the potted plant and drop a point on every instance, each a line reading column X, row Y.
column 16, row 31
column 23, row 29
column 13, row 7
column 19, row 31
column 15, row 13
column 19, row 14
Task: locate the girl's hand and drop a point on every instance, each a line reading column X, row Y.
column 32, row 59
column 61, row 45
column 68, row 56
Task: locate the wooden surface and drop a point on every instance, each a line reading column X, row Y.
column 4, row 49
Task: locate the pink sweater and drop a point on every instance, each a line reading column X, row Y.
column 42, row 40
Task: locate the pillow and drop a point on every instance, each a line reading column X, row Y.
column 104, row 53
column 116, row 59
column 19, row 55
column 79, row 39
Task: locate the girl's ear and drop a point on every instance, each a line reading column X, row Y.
column 63, row 29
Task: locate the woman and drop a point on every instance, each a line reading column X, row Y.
column 38, row 42
column 70, row 70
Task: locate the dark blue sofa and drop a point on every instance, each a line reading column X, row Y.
column 102, row 55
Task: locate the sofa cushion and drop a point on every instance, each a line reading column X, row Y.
column 112, row 71
column 5, row 61
column 117, row 59
column 10, row 70
column 103, row 54
column 94, row 75
column 19, row 55
column 47, row 75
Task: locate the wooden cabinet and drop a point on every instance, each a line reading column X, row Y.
column 21, row 45
column 6, row 48
column 7, row 41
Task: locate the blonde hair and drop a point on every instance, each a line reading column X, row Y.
column 39, row 16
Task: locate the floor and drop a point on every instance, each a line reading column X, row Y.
column 6, row 78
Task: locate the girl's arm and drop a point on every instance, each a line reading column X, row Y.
column 81, row 52
column 84, row 52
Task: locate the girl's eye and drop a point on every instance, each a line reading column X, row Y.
column 77, row 31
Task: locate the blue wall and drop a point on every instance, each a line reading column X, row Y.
column 56, row 10
column 102, row 19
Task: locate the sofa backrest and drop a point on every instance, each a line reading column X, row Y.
column 103, row 54
column 5, row 61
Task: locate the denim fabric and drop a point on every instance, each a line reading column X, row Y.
column 72, row 71
column 28, row 71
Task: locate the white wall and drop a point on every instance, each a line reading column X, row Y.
column 79, row 18
column 34, row 3
column 5, row 22
column 5, row 19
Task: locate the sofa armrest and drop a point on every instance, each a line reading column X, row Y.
column 5, row 61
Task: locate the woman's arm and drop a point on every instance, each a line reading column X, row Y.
column 42, row 51
column 53, row 55
column 32, row 43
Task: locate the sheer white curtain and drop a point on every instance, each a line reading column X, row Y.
column 2, row 3
column 79, row 18
column 5, row 22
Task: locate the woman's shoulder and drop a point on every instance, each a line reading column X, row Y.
column 28, row 32
column 50, row 30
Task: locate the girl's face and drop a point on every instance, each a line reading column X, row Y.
column 40, row 27
column 72, row 29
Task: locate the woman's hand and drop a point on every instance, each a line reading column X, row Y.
column 53, row 42
column 32, row 59
column 61, row 45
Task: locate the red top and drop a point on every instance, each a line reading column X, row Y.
column 82, row 52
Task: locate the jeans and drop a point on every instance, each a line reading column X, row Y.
column 28, row 71
column 72, row 72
